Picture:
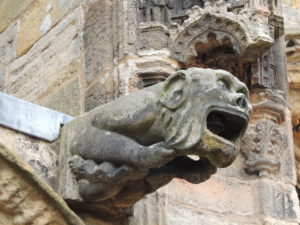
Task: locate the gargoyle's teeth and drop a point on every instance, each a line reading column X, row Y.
column 227, row 125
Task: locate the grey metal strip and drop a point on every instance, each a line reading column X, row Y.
column 31, row 119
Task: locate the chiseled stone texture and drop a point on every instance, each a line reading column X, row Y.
column 25, row 199
column 40, row 17
column 220, row 200
column 8, row 44
column 291, row 12
column 10, row 9
column 40, row 155
column 98, row 38
column 67, row 99
column 49, row 64
column 278, row 201
column 101, row 91
column 131, row 74
column 212, row 202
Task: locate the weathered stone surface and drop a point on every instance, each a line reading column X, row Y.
column 8, row 45
column 219, row 201
column 68, row 99
column 40, row 155
column 101, row 91
column 212, row 202
column 292, row 23
column 144, row 70
column 49, row 64
column 294, row 101
column 278, row 201
column 98, row 38
column 40, row 17
column 291, row 3
column 153, row 37
column 291, row 16
column 216, row 195
column 142, row 148
column 264, row 143
column 25, row 199
column 11, row 9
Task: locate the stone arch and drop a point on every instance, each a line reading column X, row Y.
column 236, row 32
column 217, row 43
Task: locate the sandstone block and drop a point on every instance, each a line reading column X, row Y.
column 67, row 99
column 156, row 209
column 40, row 17
column 278, row 200
column 100, row 92
column 218, row 194
column 10, row 9
column 98, row 38
column 8, row 43
column 50, row 63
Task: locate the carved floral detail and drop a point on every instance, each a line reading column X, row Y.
column 263, row 145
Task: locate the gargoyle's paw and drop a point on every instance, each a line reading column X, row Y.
column 76, row 161
column 156, row 155
column 76, row 164
column 83, row 169
column 100, row 173
column 121, row 172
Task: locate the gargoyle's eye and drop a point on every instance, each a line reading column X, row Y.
column 222, row 84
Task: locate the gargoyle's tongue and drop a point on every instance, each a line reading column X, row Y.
column 219, row 152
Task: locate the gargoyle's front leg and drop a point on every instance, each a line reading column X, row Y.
column 105, row 146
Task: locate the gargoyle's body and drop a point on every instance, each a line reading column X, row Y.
column 141, row 141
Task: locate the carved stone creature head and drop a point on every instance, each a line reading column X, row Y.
column 205, row 112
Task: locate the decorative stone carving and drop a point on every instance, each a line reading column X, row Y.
column 243, row 27
column 132, row 146
column 263, row 145
column 166, row 11
column 219, row 18
column 219, row 53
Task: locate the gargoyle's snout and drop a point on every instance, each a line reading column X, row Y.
column 241, row 101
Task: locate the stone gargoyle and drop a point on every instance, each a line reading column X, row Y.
column 129, row 147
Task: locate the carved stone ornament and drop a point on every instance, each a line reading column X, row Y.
column 130, row 147
column 263, row 146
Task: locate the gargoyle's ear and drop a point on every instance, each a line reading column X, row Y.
column 174, row 90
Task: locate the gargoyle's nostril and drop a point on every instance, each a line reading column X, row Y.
column 241, row 102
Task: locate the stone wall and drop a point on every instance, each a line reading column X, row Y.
column 73, row 55
column 292, row 36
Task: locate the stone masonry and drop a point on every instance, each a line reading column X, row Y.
column 74, row 55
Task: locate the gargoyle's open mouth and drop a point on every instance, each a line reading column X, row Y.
column 228, row 125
